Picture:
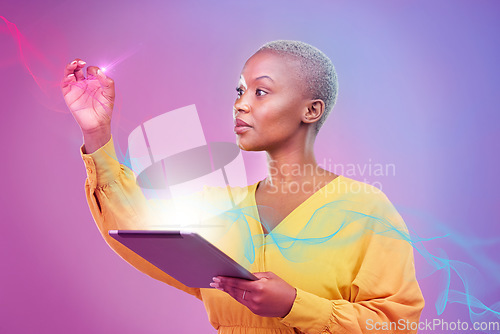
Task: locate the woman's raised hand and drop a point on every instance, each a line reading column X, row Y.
column 90, row 101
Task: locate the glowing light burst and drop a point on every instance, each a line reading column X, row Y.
column 111, row 65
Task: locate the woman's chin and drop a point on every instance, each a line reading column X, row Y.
column 244, row 145
column 241, row 145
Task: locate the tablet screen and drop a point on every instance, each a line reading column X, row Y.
column 186, row 256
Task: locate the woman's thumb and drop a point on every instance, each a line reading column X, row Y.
column 260, row 275
column 107, row 84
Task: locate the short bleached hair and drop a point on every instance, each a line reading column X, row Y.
column 315, row 70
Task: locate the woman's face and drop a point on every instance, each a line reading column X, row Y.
column 270, row 100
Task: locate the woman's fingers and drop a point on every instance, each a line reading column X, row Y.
column 70, row 68
column 269, row 296
column 238, row 294
column 235, row 287
column 66, row 82
column 107, row 85
column 72, row 73
column 75, row 67
column 231, row 282
column 79, row 70
column 92, row 72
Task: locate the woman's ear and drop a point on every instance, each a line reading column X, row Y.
column 315, row 109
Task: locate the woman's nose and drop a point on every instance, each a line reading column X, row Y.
column 241, row 106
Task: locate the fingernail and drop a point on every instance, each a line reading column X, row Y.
column 81, row 62
column 214, row 285
column 215, row 279
column 71, row 75
column 99, row 73
column 73, row 62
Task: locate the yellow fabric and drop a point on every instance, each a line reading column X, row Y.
column 362, row 272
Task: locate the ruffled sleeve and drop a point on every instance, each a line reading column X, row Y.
column 117, row 202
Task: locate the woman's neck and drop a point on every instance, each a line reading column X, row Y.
column 293, row 163
column 291, row 166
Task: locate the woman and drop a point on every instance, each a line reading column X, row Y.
column 332, row 255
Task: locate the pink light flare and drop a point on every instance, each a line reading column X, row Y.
column 19, row 38
column 46, row 74
column 110, row 66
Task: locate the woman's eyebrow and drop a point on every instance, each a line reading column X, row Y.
column 263, row 77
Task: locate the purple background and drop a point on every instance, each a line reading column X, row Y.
column 418, row 89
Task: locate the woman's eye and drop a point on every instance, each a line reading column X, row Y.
column 239, row 91
column 260, row 92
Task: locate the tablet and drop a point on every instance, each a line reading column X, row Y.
column 186, row 256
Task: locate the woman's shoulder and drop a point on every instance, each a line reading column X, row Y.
column 347, row 187
column 367, row 199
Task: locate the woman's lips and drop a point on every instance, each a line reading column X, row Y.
column 241, row 126
column 240, row 129
column 240, row 122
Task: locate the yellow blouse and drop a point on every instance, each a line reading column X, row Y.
column 345, row 249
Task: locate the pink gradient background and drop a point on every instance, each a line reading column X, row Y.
column 419, row 86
